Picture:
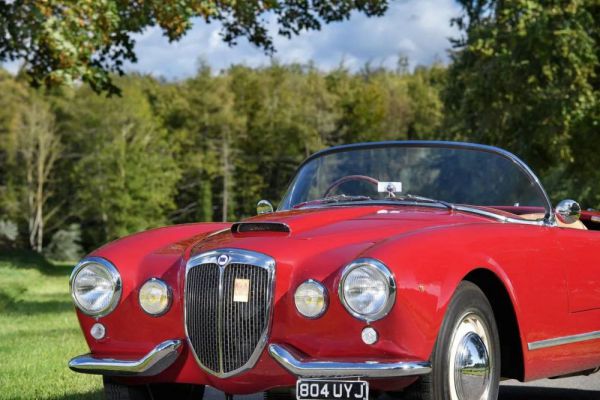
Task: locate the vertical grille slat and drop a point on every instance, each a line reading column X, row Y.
column 225, row 334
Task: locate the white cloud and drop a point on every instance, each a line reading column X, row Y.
column 418, row 29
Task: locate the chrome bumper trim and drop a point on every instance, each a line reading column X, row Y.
column 153, row 363
column 294, row 363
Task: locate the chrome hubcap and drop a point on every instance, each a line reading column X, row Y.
column 470, row 361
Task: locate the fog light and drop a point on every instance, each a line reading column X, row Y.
column 98, row 331
column 369, row 335
column 155, row 297
column 311, row 299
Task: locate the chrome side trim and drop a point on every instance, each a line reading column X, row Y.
column 502, row 218
column 234, row 256
column 153, row 363
column 291, row 361
column 559, row 341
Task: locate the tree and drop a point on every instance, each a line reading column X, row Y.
column 201, row 116
column 379, row 104
column 426, row 108
column 64, row 41
column 204, row 149
column 582, row 172
column 39, row 147
column 523, row 77
column 118, row 165
column 30, row 147
column 13, row 95
column 289, row 115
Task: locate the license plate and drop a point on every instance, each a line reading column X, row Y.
column 316, row 389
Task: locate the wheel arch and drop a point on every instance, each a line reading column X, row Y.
column 511, row 346
column 438, row 263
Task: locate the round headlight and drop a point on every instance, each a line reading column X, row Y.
column 311, row 299
column 95, row 286
column 155, row 297
column 367, row 289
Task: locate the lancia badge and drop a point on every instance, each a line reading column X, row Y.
column 223, row 260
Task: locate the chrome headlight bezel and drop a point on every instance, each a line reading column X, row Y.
column 115, row 279
column 386, row 276
column 322, row 290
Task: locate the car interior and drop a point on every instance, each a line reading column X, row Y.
column 590, row 219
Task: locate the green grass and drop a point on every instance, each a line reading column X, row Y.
column 39, row 332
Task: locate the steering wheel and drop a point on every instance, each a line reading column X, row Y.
column 349, row 178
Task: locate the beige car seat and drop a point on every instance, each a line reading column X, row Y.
column 535, row 216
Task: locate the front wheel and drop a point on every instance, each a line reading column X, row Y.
column 466, row 358
column 159, row 391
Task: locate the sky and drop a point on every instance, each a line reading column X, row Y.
column 417, row 29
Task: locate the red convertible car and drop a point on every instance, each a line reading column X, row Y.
column 426, row 270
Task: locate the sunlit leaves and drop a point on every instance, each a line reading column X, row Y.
column 63, row 41
column 525, row 78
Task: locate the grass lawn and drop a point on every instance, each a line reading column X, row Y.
column 39, row 332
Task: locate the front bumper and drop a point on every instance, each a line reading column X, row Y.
column 165, row 354
column 306, row 368
column 153, row 363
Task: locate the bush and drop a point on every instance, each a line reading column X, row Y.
column 8, row 232
column 65, row 244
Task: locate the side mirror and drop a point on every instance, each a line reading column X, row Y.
column 264, row 207
column 568, row 211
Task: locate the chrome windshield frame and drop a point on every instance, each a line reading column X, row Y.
column 549, row 218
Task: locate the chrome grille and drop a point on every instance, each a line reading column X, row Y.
column 227, row 336
column 243, row 323
column 202, row 309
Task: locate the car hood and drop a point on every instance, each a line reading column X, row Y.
column 333, row 233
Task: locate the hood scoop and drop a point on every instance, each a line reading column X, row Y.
column 253, row 227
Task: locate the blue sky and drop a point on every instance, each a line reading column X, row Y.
column 418, row 29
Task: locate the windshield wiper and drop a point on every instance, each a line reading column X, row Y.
column 417, row 198
column 342, row 198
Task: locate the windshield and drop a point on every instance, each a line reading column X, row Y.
column 450, row 172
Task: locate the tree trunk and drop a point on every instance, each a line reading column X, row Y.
column 39, row 147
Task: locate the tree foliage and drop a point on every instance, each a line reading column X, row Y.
column 121, row 173
column 30, row 147
column 62, row 41
column 207, row 148
column 525, row 76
